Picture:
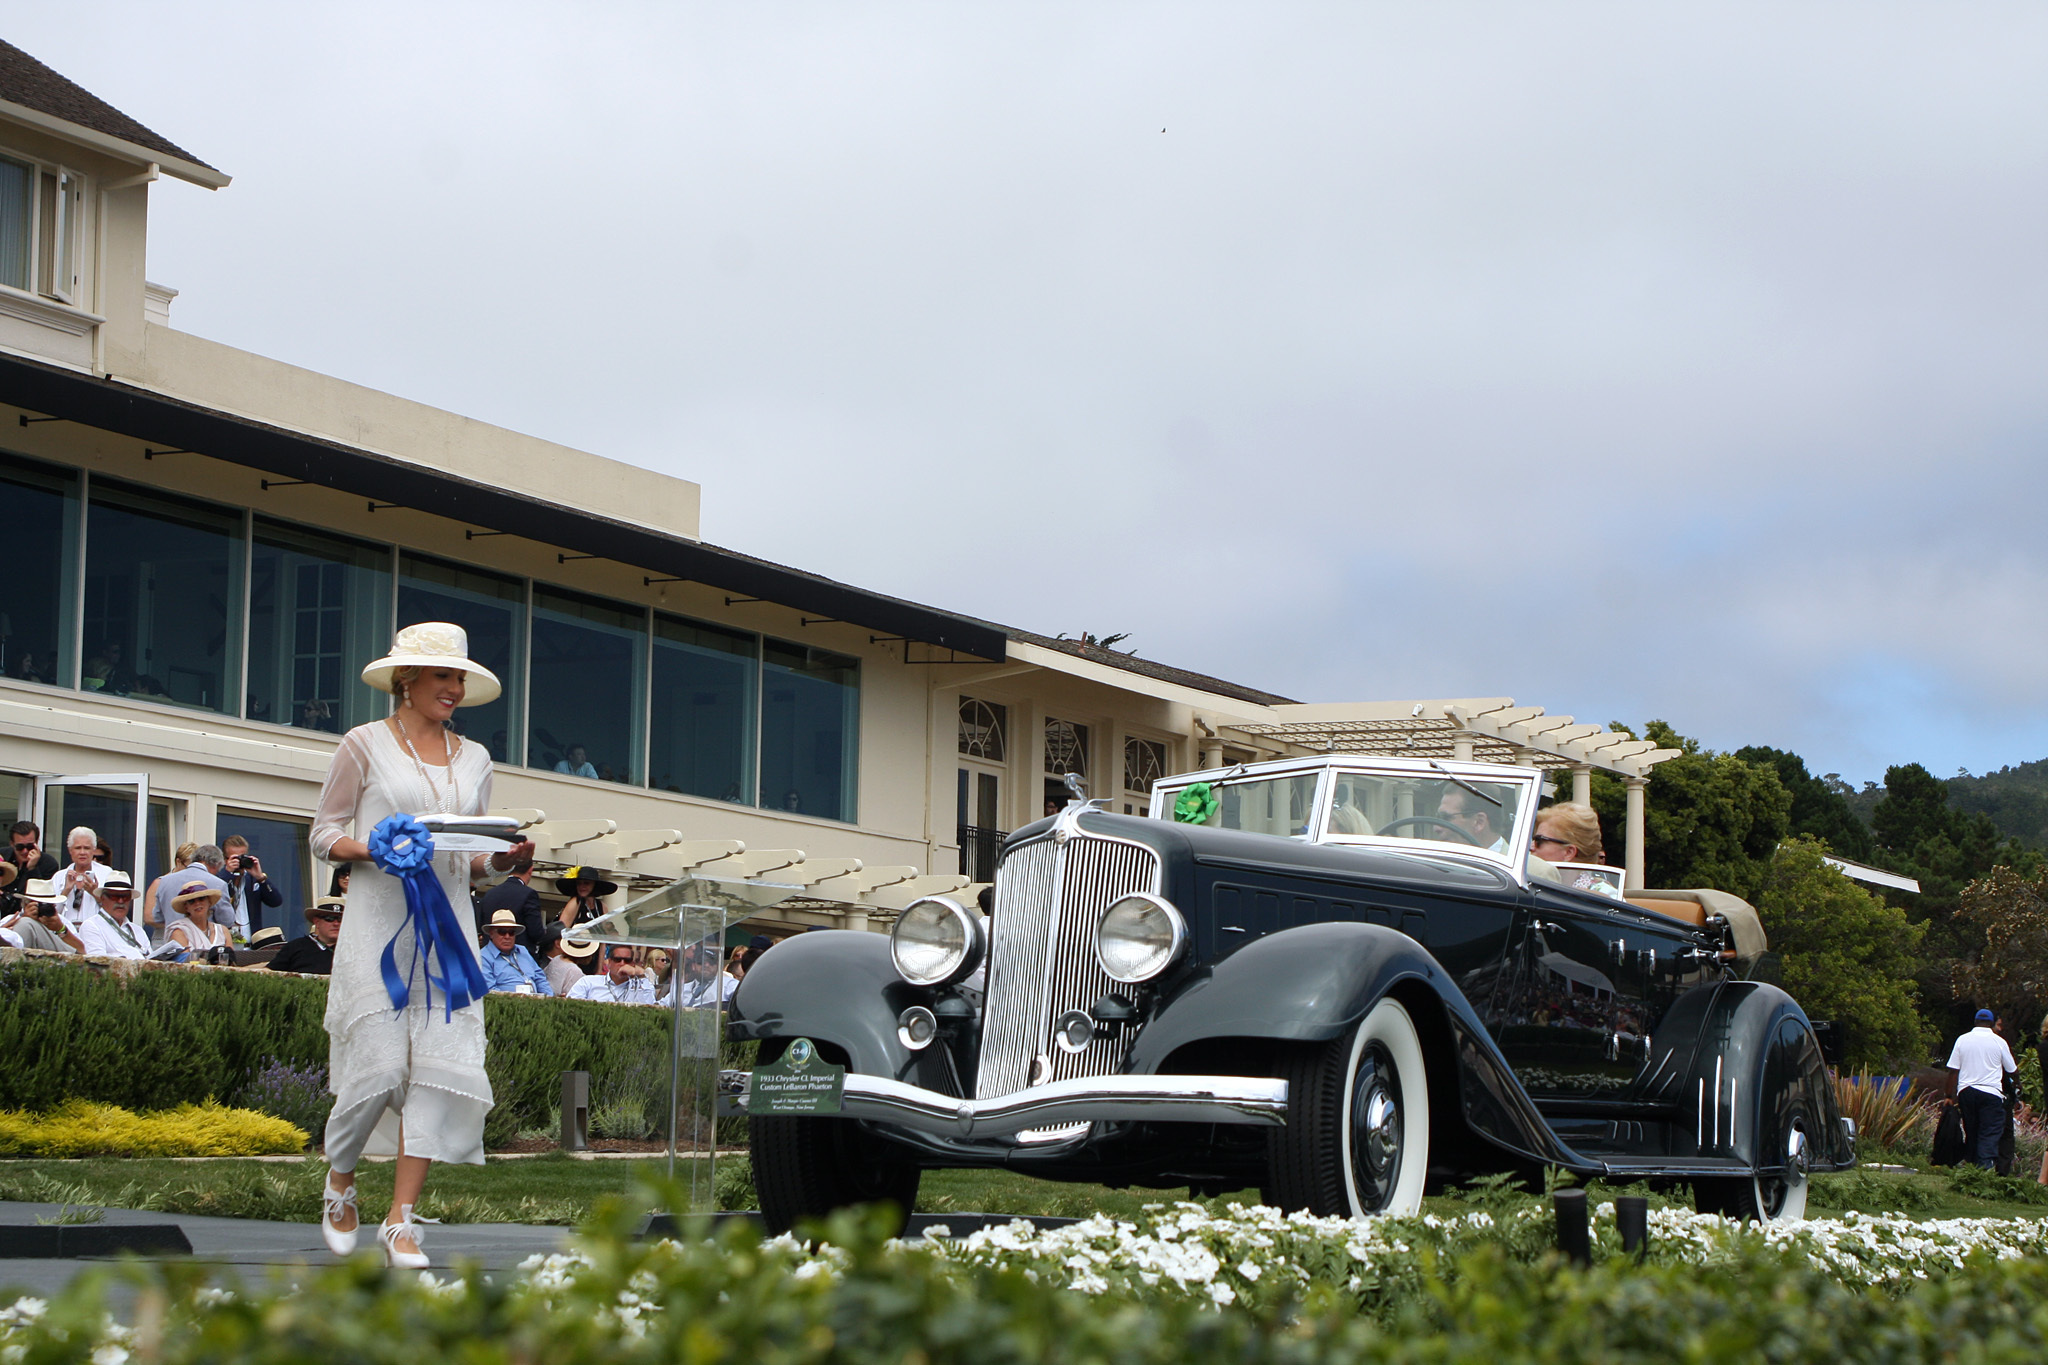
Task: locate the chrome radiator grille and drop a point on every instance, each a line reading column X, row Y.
column 1049, row 898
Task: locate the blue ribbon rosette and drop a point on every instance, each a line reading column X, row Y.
column 403, row 847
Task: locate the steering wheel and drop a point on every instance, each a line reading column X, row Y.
column 1392, row 825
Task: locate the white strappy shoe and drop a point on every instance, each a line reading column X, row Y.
column 333, row 1203
column 407, row 1227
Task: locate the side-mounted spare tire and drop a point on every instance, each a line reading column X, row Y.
column 1356, row 1141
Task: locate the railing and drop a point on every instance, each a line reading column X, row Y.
column 978, row 850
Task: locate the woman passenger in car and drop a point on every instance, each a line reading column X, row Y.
column 1569, row 832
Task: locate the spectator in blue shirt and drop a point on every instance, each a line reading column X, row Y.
column 507, row 965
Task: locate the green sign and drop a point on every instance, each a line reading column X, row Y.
column 797, row 1082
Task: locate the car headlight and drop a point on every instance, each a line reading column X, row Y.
column 936, row 942
column 1139, row 938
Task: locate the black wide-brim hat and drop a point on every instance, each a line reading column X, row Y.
column 566, row 883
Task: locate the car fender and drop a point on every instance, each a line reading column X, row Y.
column 1758, row 1062
column 1311, row 983
column 839, row 987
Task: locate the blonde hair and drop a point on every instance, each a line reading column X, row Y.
column 1581, row 825
column 400, row 677
column 186, row 853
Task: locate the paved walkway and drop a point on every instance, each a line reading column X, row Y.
column 245, row 1249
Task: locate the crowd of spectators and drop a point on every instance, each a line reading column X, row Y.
column 202, row 910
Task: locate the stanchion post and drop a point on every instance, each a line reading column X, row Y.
column 1574, row 1238
column 575, row 1111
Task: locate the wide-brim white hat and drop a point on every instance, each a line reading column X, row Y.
column 43, row 889
column 435, row 644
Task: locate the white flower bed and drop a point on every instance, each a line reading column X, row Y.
column 1262, row 1254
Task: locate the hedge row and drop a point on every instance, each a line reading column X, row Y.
column 158, row 1037
column 738, row 1299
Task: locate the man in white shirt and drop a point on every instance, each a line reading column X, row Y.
column 1473, row 817
column 622, row 982
column 1981, row 1061
column 111, row 930
column 78, row 885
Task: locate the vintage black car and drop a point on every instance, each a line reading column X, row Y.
column 1342, row 981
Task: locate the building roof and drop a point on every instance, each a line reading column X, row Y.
column 1148, row 668
column 30, row 85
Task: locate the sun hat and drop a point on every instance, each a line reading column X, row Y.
column 195, row 892
column 1983, row 1016
column 566, row 883
column 505, row 919
column 435, row 644
column 8, row 872
column 579, row 947
column 117, row 881
column 335, row 904
column 272, row 937
column 42, row 889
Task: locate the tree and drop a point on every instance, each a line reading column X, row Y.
column 1710, row 819
column 1819, row 809
column 1848, row 956
column 2010, row 909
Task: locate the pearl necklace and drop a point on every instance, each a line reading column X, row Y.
column 449, row 802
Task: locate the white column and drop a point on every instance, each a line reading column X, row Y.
column 1634, row 837
column 1461, row 749
column 1582, row 783
column 856, row 918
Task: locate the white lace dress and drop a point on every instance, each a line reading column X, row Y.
column 412, row 1070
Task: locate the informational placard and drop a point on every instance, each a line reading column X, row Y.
column 797, row 1082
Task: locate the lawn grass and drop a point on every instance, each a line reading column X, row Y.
column 557, row 1189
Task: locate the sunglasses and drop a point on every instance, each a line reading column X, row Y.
column 1546, row 839
column 329, row 917
column 504, row 929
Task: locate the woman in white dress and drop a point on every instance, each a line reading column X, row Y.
column 408, row 1082
column 197, row 932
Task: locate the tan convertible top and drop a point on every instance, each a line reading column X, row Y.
column 1694, row 906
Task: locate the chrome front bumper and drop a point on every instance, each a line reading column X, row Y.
column 1087, row 1099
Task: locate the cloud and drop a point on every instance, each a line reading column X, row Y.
column 1682, row 361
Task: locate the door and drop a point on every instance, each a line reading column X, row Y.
column 116, row 806
column 980, row 813
column 1584, row 992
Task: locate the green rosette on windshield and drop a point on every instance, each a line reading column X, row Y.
column 1196, row 803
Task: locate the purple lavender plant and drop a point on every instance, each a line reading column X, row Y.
column 298, row 1095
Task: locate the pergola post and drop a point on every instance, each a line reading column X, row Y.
column 1582, row 783
column 1461, row 749
column 1633, row 839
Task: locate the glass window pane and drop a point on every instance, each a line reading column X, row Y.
column 706, row 683
column 285, row 849
column 17, row 209
column 163, row 598
column 492, row 610
column 810, row 727
column 42, row 574
column 589, row 663
column 319, row 609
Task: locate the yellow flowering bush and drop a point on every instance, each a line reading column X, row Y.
column 83, row 1128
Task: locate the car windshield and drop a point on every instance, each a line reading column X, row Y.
column 1449, row 810
column 1261, row 805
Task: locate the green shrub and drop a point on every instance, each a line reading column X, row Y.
column 1978, row 1183
column 156, row 1037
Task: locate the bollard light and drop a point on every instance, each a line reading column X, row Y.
column 1632, row 1216
column 1574, row 1239
column 575, row 1111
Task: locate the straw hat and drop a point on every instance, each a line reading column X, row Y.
column 335, row 903
column 435, row 644
column 8, row 872
column 566, row 883
column 579, row 947
column 272, row 937
column 42, row 889
column 193, row 893
column 505, row 919
column 113, row 881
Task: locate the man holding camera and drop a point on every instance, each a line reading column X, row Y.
column 41, row 923
column 249, row 888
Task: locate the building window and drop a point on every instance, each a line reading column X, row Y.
column 984, row 726
column 588, row 674
column 42, row 573
column 39, row 211
column 1066, row 747
column 319, row 609
column 1144, row 763
column 163, row 598
column 810, row 725
column 492, row 609
column 707, row 686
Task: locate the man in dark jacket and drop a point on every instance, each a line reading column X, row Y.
column 314, row 953
column 249, row 888
column 31, row 863
column 516, row 894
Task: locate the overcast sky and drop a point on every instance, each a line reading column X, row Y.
column 1629, row 360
